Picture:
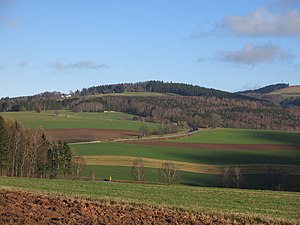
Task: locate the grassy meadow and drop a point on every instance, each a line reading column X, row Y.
column 216, row 157
column 199, row 166
column 251, row 181
column 66, row 119
column 242, row 136
column 207, row 163
column 265, row 205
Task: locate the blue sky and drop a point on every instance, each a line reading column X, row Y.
column 63, row 45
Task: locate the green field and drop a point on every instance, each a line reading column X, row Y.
column 152, row 175
column 258, row 160
column 215, row 157
column 201, row 159
column 248, row 203
column 252, row 181
column 67, row 119
column 242, row 136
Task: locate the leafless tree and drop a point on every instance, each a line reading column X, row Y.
column 226, row 176
column 278, row 179
column 237, row 176
column 168, row 172
column 78, row 165
column 93, row 175
column 137, row 169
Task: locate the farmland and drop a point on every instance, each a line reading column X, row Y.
column 199, row 158
column 63, row 119
column 243, row 203
column 255, row 152
column 74, row 127
column 243, row 136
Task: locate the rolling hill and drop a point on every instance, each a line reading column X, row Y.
column 282, row 94
column 184, row 104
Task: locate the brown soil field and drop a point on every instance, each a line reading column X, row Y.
column 20, row 207
column 89, row 134
column 221, row 146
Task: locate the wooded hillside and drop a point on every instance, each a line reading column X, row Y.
column 193, row 106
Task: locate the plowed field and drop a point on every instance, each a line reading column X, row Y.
column 89, row 134
column 19, row 207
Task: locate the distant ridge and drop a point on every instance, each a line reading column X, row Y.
column 161, row 87
column 170, row 103
column 266, row 89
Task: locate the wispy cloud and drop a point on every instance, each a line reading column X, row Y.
column 252, row 55
column 82, row 65
column 264, row 23
column 278, row 19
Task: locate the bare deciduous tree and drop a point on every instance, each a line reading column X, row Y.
column 168, row 172
column 78, row 164
column 278, row 179
column 226, row 176
column 237, row 176
column 93, row 175
column 137, row 169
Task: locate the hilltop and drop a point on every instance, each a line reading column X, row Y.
column 281, row 93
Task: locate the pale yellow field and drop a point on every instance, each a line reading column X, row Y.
column 111, row 160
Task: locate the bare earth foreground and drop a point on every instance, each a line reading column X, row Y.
column 20, row 207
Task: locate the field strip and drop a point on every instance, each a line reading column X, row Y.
column 208, row 146
column 111, row 160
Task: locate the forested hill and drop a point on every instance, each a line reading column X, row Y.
column 189, row 105
column 282, row 94
column 266, row 89
column 160, row 87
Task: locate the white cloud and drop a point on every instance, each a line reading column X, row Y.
column 264, row 23
column 252, row 55
column 82, row 65
column 275, row 19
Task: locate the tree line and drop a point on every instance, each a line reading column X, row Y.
column 276, row 179
column 28, row 153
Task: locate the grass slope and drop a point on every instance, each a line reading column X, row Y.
column 214, row 157
column 288, row 91
column 66, row 119
column 264, row 204
column 251, row 181
column 242, row 136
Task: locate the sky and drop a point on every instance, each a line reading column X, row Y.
column 65, row 45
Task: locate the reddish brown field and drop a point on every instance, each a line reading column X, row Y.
column 88, row 134
column 221, row 146
column 19, row 207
